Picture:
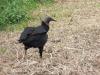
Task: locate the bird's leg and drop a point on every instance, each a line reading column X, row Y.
column 40, row 51
column 25, row 52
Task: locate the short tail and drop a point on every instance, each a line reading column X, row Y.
column 20, row 41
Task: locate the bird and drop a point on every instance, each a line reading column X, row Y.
column 36, row 37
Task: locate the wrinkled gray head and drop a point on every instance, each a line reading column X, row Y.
column 47, row 19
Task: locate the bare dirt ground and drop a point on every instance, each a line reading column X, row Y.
column 73, row 47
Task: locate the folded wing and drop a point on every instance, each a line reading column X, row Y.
column 29, row 34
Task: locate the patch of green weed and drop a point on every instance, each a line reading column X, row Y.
column 12, row 12
column 53, row 15
column 35, row 25
column 2, row 50
column 70, row 24
column 71, row 18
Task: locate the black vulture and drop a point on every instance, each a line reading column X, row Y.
column 36, row 37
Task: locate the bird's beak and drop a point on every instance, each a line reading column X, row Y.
column 53, row 20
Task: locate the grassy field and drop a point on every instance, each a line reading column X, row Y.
column 73, row 47
column 13, row 13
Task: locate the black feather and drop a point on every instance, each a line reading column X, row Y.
column 35, row 37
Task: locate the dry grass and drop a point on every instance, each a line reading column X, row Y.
column 73, row 47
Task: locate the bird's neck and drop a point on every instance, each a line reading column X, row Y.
column 46, row 27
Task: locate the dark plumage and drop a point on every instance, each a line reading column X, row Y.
column 36, row 37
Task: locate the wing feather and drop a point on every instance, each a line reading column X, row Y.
column 27, row 30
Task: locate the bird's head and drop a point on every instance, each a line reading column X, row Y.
column 47, row 19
